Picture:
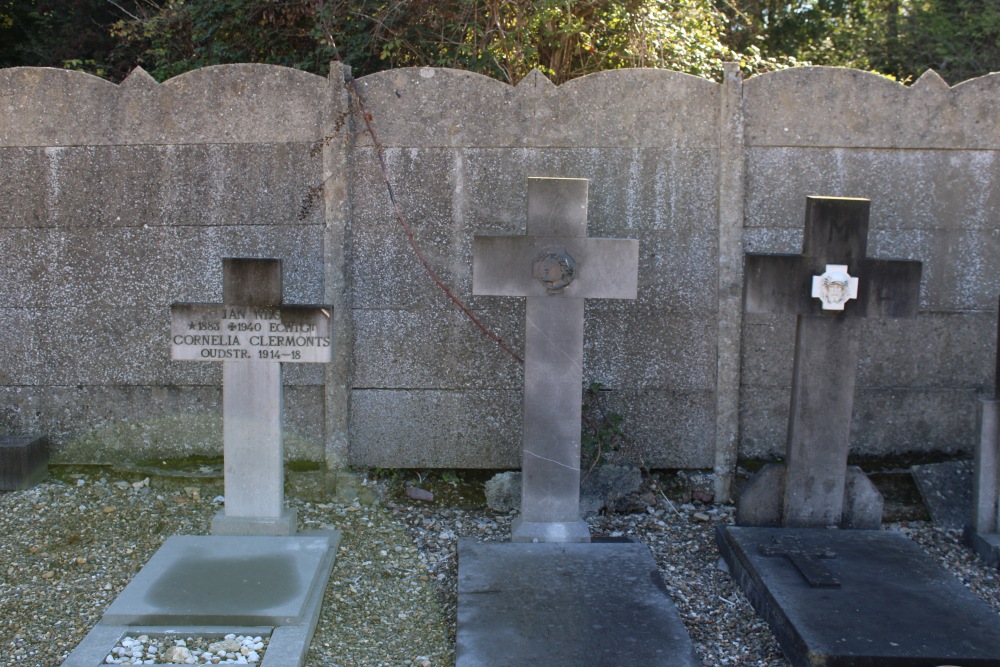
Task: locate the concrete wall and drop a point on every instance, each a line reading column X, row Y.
column 118, row 200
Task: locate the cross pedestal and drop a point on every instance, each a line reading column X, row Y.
column 252, row 333
column 556, row 267
column 830, row 286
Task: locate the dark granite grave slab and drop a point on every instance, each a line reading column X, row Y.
column 562, row 604
column 946, row 489
column 875, row 599
column 23, row 461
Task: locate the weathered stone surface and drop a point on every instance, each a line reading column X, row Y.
column 442, row 428
column 882, row 600
column 23, row 461
column 538, row 604
column 503, row 492
column 223, row 104
column 607, row 486
column 827, row 106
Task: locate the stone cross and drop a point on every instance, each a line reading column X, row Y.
column 809, row 563
column 830, row 286
column 252, row 334
column 984, row 532
column 556, row 267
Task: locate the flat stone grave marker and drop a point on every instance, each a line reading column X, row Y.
column 565, row 605
column 946, row 489
column 983, row 533
column 838, row 598
column 254, row 575
column 831, row 286
column 551, row 597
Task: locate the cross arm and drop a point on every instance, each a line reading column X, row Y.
column 775, row 284
column 889, row 288
column 605, row 268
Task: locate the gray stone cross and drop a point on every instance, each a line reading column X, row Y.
column 556, row 267
column 252, row 333
column 829, row 286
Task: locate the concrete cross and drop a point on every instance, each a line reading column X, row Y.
column 984, row 533
column 252, row 333
column 556, row 267
column 830, row 286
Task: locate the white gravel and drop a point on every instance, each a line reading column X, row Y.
column 67, row 548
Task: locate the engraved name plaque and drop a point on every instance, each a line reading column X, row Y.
column 285, row 334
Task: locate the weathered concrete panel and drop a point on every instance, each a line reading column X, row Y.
column 92, row 424
column 440, row 348
column 830, row 106
column 118, row 200
column 147, row 186
column 638, row 347
column 670, row 429
column 894, row 421
column 224, row 104
column 436, row 429
column 417, row 107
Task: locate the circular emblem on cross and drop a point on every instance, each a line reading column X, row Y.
column 835, row 287
column 555, row 270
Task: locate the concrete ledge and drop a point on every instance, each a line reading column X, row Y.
column 282, row 526
column 549, row 531
column 987, row 545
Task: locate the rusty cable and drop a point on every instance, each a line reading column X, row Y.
column 398, row 213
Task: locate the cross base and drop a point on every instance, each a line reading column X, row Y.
column 549, row 531
column 761, row 500
column 280, row 526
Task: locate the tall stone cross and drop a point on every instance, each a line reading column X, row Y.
column 252, row 333
column 830, row 286
column 556, row 267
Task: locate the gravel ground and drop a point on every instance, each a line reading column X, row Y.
column 70, row 545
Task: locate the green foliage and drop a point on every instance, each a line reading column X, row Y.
column 504, row 39
column 602, row 436
column 960, row 39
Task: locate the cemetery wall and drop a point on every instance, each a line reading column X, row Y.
column 118, row 200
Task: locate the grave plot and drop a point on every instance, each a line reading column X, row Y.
column 840, row 597
column 551, row 597
column 255, row 575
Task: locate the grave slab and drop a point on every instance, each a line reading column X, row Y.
column 562, row 604
column 220, row 579
column 213, row 585
column 859, row 597
column 946, row 489
column 23, row 461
